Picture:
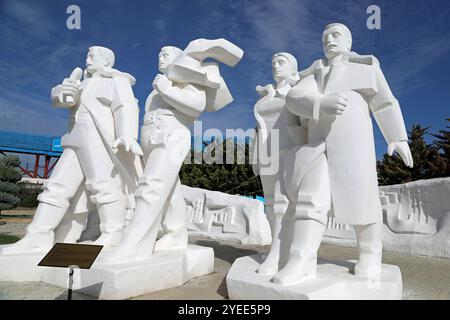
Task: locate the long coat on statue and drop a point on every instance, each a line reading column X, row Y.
column 348, row 137
column 108, row 98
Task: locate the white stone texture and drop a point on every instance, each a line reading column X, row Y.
column 91, row 172
column 20, row 267
column 416, row 218
column 186, row 87
column 217, row 215
column 334, row 281
column 165, row 269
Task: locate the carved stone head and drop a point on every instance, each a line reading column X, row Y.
column 284, row 67
column 166, row 57
column 336, row 40
column 98, row 58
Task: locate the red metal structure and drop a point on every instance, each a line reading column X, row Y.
column 38, row 145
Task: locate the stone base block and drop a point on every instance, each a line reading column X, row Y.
column 20, row 267
column 166, row 269
column 334, row 281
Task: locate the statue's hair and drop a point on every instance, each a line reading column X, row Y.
column 173, row 49
column 344, row 27
column 105, row 52
column 293, row 62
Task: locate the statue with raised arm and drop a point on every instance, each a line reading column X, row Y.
column 336, row 169
column 273, row 138
column 99, row 152
column 186, row 87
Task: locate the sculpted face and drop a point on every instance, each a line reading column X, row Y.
column 95, row 60
column 336, row 41
column 281, row 68
column 165, row 58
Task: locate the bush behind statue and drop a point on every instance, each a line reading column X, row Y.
column 9, row 176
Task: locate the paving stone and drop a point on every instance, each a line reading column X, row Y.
column 423, row 277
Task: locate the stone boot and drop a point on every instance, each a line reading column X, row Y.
column 112, row 223
column 138, row 240
column 303, row 252
column 270, row 264
column 174, row 223
column 40, row 234
column 370, row 247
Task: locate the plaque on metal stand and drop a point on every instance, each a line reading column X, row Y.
column 69, row 255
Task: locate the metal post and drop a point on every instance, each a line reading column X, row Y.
column 53, row 165
column 47, row 162
column 69, row 293
column 36, row 166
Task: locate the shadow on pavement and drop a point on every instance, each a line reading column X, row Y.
column 226, row 252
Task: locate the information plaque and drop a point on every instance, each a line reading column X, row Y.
column 71, row 255
column 64, row 255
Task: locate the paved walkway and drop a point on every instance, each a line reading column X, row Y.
column 423, row 277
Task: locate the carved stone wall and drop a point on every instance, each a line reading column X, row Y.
column 416, row 217
column 218, row 215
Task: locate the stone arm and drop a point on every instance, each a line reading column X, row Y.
column 304, row 100
column 263, row 92
column 186, row 98
column 254, row 153
column 125, row 109
column 387, row 114
column 386, row 110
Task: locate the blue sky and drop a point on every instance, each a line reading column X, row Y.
column 38, row 51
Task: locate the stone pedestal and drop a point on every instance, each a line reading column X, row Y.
column 166, row 269
column 334, row 281
column 20, row 267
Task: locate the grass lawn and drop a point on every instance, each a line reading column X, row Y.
column 6, row 239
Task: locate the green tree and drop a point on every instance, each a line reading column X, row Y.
column 28, row 193
column 443, row 144
column 231, row 178
column 428, row 162
column 9, row 176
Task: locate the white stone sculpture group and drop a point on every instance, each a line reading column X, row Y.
column 101, row 162
column 327, row 155
column 316, row 124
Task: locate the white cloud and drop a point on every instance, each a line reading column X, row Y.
column 28, row 115
column 161, row 28
column 28, row 17
column 412, row 47
column 264, row 27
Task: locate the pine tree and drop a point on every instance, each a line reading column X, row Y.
column 231, row 178
column 427, row 161
column 9, row 176
column 443, row 144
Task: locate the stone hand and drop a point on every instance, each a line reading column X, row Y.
column 265, row 90
column 333, row 104
column 129, row 144
column 71, row 88
column 402, row 148
column 161, row 83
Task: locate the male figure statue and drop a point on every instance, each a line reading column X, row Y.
column 337, row 168
column 174, row 221
column 104, row 114
column 186, row 87
column 273, row 134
